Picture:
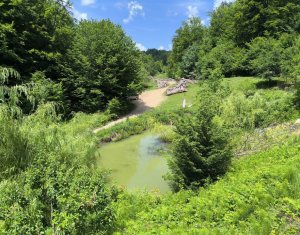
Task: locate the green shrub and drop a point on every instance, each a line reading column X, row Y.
column 44, row 90
column 261, row 109
column 47, row 180
column 115, row 107
column 56, row 188
column 201, row 153
column 55, row 198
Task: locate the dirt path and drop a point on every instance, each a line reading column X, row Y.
column 147, row 100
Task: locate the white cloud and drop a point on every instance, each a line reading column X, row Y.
column 192, row 11
column 141, row 47
column 161, row 48
column 79, row 15
column 170, row 47
column 87, row 2
column 135, row 9
column 217, row 3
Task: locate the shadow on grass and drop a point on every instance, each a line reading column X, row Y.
column 268, row 84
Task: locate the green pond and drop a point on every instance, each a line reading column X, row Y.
column 136, row 163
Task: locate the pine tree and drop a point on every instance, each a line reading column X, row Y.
column 201, row 151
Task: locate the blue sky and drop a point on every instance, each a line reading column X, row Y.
column 150, row 23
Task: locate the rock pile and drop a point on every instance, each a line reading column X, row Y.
column 180, row 87
column 162, row 83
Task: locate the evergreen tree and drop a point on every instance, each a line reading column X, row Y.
column 201, row 152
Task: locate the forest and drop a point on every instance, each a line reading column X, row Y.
column 232, row 153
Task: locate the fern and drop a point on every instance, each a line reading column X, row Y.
column 10, row 96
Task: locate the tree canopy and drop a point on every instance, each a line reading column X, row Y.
column 35, row 35
column 191, row 32
column 92, row 62
column 243, row 38
column 104, row 64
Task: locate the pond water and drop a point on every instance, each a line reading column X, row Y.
column 136, row 163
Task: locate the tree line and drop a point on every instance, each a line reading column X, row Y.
column 155, row 61
column 85, row 65
column 254, row 37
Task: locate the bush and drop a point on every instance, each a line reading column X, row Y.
column 115, row 108
column 44, row 90
column 55, row 198
column 52, row 186
column 258, row 110
column 47, row 180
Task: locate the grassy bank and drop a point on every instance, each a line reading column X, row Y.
column 260, row 195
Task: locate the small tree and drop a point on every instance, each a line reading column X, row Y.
column 14, row 154
column 201, row 151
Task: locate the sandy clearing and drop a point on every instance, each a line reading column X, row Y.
column 147, row 100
